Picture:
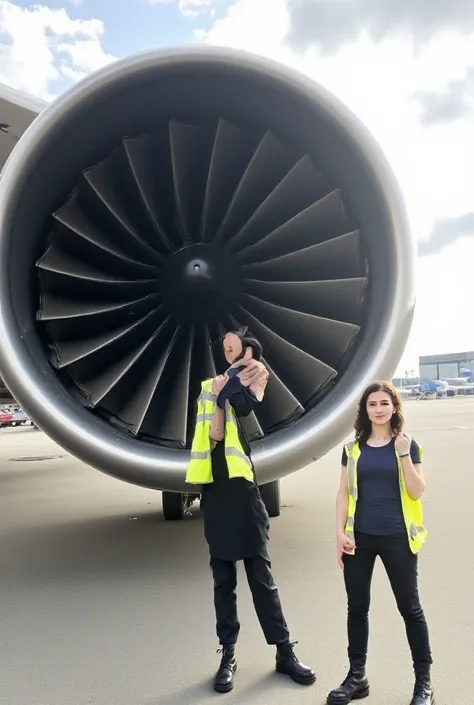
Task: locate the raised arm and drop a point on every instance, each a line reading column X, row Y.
column 254, row 377
column 241, row 404
column 410, row 458
column 217, row 429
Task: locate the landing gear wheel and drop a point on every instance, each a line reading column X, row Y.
column 270, row 494
column 173, row 505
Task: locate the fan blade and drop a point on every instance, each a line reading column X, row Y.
column 340, row 299
column 231, row 154
column 139, row 153
column 322, row 221
column 54, row 309
column 299, row 188
column 173, row 422
column 339, row 258
column 68, row 266
column 74, row 350
column 99, row 377
column 76, row 223
column 136, row 407
column 322, row 338
column 269, row 164
column 208, row 365
column 104, row 383
column 191, row 149
column 203, row 366
column 111, row 206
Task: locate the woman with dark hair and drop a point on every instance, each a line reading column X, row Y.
column 379, row 513
column 236, row 522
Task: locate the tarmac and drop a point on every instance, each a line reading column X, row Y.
column 104, row 603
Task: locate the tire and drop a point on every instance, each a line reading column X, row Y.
column 270, row 494
column 173, row 506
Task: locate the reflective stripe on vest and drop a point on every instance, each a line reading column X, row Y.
column 199, row 471
column 412, row 509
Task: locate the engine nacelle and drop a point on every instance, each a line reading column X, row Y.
column 169, row 197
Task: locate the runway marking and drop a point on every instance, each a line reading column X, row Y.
column 33, row 458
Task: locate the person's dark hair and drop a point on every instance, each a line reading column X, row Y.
column 248, row 341
column 363, row 426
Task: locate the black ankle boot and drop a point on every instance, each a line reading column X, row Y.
column 354, row 687
column 290, row 665
column 423, row 693
column 224, row 679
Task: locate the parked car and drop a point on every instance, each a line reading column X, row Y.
column 14, row 417
column 6, row 418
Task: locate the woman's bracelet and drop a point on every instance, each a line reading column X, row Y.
column 405, row 455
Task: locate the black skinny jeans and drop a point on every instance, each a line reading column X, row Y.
column 401, row 567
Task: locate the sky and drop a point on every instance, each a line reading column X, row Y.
column 404, row 67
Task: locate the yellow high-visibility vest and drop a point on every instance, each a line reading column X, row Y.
column 199, row 471
column 412, row 508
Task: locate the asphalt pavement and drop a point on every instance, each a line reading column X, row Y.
column 104, row 603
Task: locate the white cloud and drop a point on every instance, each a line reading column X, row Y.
column 332, row 23
column 191, row 8
column 40, row 45
column 434, row 166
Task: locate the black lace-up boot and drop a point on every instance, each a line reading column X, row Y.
column 290, row 665
column 224, row 679
column 423, row 693
column 355, row 686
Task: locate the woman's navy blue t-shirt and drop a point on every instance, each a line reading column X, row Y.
column 379, row 506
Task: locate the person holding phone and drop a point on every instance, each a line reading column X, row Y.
column 236, row 522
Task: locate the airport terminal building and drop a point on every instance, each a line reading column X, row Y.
column 447, row 366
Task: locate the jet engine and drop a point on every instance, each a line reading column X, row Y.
column 172, row 196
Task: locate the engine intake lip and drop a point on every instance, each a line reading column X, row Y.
column 24, row 365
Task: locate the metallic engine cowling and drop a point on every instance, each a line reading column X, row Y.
column 167, row 198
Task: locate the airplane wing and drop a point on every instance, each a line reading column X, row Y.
column 17, row 112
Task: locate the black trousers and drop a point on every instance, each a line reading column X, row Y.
column 264, row 594
column 401, row 567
